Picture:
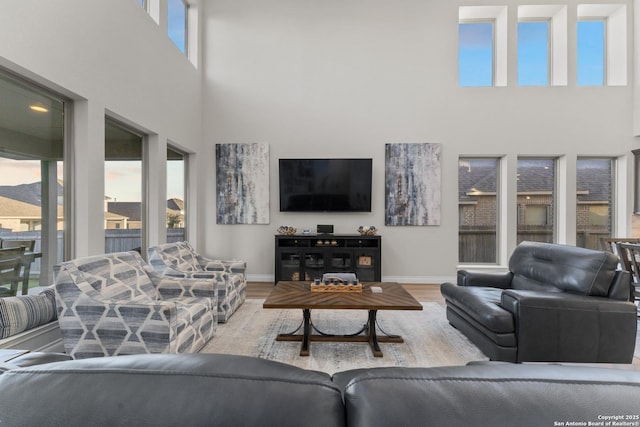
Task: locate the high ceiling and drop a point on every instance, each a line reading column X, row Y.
column 17, row 116
column 38, row 134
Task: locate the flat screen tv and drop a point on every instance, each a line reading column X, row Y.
column 325, row 185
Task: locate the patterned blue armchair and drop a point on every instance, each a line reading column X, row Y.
column 115, row 304
column 181, row 260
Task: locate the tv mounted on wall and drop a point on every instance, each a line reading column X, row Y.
column 325, row 185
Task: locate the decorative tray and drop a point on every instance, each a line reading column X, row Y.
column 337, row 282
column 336, row 288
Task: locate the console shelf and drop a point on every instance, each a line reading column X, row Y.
column 308, row 256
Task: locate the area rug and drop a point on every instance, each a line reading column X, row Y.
column 429, row 339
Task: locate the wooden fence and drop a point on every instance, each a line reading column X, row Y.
column 116, row 240
column 478, row 244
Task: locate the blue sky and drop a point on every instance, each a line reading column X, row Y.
column 533, row 53
column 475, row 54
column 177, row 19
column 176, row 22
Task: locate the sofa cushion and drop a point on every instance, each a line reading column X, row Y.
column 116, row 278
column 169, row 390
column 178, row 256
column 561, row 268
column 489, row 395
column 20, row 313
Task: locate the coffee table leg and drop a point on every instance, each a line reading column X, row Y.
column 369, row 333
column 373, row 337
column 304, row 348
column 305, row 337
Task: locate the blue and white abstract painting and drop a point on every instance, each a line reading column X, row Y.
column 242, row 183
column 412, row 184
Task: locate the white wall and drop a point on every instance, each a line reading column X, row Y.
column 112, row 59
column 310, row 78
column 341, row 78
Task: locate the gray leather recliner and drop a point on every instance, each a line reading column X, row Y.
column 556, row 303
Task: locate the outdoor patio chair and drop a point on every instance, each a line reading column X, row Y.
column 10, row 265
column 27, row 258
column 630, row 259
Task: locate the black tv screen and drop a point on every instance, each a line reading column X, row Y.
column 325, row 185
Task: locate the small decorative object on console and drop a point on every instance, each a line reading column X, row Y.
column 285, row 229
column 364, row 260
column 337, row 282
column 368, row 231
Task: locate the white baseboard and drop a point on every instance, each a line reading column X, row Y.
column 398, row 279
column 431, row 280
column 260, row 278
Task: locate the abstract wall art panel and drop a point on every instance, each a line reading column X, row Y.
column 242, row 183
column 412, row 184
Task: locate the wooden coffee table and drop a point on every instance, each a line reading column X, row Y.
column 299, row 295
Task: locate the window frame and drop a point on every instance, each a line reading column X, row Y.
column 498, row 227
column 613, row 211
column 144, row 179
column 185, row 159
column 497, row 15
column 615, row 38
column 557, row 50
column 553, row 209
column 49, row 241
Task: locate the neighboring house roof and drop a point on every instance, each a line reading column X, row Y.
column 11, row 208
column 27, row 193
column 593, row 183
column 110, row 216
column 175, row 204
column 23, row 201
column 131, row 210
column 534, row 179
column 480, row 179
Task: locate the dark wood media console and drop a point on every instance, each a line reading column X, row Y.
column 307, row 257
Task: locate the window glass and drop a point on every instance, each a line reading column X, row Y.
column 176, row 209
column 177, row 23
column 533, row 53
column 475, row 54
column 478, row 210
column 31, row 174
column 591, row 53
column 536, row 215
column 594, row 182
column 123, row 189
column 536, row 200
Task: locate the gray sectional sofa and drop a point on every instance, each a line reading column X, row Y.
column 226, row 390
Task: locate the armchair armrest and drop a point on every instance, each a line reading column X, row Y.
column 230, row 266
column 485, row 279
column 554, row 326
column 172, row 287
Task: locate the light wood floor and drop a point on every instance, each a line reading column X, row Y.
column 421, row 292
